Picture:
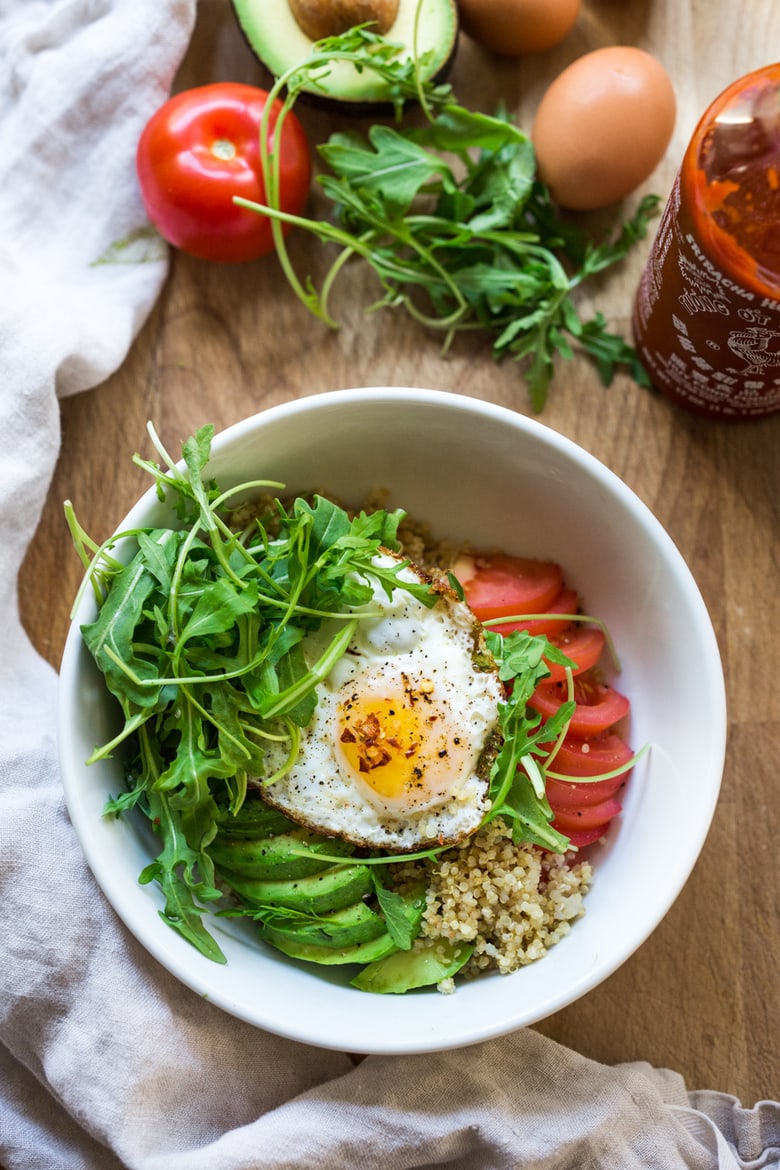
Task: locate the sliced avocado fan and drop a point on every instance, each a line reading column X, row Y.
column 278, row 41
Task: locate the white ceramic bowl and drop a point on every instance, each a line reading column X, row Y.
column 477, row 472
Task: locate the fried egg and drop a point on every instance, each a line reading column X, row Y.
column 397, row 754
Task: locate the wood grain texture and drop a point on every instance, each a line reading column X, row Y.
column 701, row 995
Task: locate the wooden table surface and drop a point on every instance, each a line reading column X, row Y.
column 701, row 996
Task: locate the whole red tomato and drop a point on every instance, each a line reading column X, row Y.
column 199, row 150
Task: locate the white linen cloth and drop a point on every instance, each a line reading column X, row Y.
column 105, row 1060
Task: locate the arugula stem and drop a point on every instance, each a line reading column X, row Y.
column 294, row 737
column 585, row 618
column 270, row 164
column 132, row 725
column 157, row 443
column 321, row 669
column 637, row 756
column 186, row 690
column 242, row 488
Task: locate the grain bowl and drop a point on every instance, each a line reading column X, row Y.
column 480, row 477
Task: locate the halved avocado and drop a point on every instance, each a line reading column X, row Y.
column 279, row 42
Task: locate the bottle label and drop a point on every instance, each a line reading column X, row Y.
column 705, row 340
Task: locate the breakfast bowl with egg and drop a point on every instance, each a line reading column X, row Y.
column 411, row 710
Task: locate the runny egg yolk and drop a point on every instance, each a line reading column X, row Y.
column 400, row 745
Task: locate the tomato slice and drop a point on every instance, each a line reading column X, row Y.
column 583, row 810
column 582, row 644
column 565, row 794
column 588, row 817
column 582, row 837
column 591, row 757
column 598, row 706
column 567, row 602
column 500, row 586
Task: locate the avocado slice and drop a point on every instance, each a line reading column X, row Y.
column 274, row 858
column 255, row 819
column 278, row 41
column 319, row 893
column 294, row 945
column 367, row 952
column 343, row 928
column 426, row 964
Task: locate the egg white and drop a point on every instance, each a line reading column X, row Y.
column 416, row 677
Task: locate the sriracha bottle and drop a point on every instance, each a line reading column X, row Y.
column 707, row 312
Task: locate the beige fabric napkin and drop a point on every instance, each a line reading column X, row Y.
column 106, row 1061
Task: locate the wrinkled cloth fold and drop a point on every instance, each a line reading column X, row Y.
column 106, row 1061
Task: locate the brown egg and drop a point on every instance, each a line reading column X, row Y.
column 603, row 126
column 514, row 27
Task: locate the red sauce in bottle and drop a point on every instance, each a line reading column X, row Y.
column 707, row 311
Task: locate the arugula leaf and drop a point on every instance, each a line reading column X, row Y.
column 459, row 130
column 483, row 248
column 110, row 637
column 530, row 815
column 516, row 778
column 200, row 639
column 216, row 609
column 175, row 871
column 196, row 451
column 389, row 165
column 394, row 908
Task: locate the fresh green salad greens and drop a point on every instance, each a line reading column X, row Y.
column 453, row 219
column 199, row 636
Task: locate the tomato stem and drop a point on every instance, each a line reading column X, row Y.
column 224, row 149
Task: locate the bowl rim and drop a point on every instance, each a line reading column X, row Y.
column 459, row 1031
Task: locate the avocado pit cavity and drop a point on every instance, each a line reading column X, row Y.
column 330, row 18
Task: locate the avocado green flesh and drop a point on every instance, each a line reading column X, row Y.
column 347, row 927
column 274, row 858
column 421, row 967
column 280, row 43
column 254, row 820
column 367, row 952
column 323, row 916
column 333, row 888
column 294, row 943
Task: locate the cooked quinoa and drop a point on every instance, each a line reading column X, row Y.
column 513, row 902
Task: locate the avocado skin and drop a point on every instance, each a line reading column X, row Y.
column 347, row 927
column 273, row 858
column 423, row 966
column 345, row 103
column 319, row 893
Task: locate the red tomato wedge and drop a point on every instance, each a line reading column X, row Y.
column 598, row 706
column 591, row 757
column 566, row 794
column 592, row 816
column 501, row 586
column 582, row 837
column 582, row 644
column 584, row 810
column 566, row 603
